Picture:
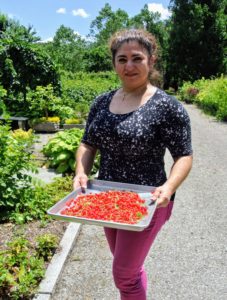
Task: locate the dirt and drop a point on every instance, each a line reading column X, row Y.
column 30, row 231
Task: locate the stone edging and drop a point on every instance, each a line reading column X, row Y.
column 48, row 284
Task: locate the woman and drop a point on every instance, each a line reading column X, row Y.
column 132, row 127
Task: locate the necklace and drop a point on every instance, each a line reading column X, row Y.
column 125, row 94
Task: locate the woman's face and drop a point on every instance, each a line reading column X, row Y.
column 132, row 64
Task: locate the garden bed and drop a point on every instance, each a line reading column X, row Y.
column 28, row 251
column 31, row 230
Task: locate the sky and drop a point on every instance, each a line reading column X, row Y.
column 46, row 16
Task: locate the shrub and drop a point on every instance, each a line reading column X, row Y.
column 46, row 246
column 26, row 137
column 213, row 98
column 32, row 206
column 74, row 121
column 20, row 270
column 210, row 95
column 22, row 267
column 43, row 102
column 21, row 198
column 15, row 183
column 59, row 188
column 84, row 87
column 61, row 150
column 50, row 119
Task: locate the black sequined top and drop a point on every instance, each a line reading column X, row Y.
column 133, row 145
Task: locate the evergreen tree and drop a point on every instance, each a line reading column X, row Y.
column 197, row 41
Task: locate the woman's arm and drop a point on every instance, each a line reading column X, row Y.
column 85, row 156
column 179, row 171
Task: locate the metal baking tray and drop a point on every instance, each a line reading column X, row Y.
column 97, row 186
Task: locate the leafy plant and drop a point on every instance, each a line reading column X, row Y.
column 59, row 188
column 61, row 150
column 26, row 137
column 15, row 183
column 46, row 246
column 209, row 94
column 73, row 121
column 43, row 101
column 213, row 98
column 50, row 119
column 81, row 88
column 20, row 270
column 22, row 199
column 2, row 92
column 32, row 206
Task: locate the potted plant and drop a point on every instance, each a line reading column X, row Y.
column 74, row 123
column 78, row 120
column 49, row 124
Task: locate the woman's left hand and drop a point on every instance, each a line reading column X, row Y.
column 162, row 195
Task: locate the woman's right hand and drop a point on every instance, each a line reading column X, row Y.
column 80, row 180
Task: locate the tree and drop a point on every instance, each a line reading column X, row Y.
column 151, row 22
column 97, row 59
column 22, row 64
column 197, row 40
column 67, row 49
column 108, row 22
column 12, row 29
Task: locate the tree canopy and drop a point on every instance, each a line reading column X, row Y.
column 197, row 40
column 192, row 44
column 22, row 64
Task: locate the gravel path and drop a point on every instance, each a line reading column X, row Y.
column 188, row 258
column 46, row 175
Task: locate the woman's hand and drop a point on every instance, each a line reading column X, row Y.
column 80, row 180
column 162, row 195
column 179, row 171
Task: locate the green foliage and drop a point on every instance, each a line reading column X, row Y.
column 43, row 196
column 196, row 27
column 108, row 22
column 59, row 188
column 67, row 49
column 2, row 104
column 32, row 206
column 97, row 58
column 21, row 198
column 10, row 28
column 61, row 150
column 210, row 95
column 15, row 161
column 74, row 121
column 2, row 92
column 213, row 98
column 23, row 65
column 46, row 246
column 26, row 137
column 42, row 102
column 20, row 270
column 81, row 88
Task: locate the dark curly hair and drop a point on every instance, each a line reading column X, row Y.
column 143, row 38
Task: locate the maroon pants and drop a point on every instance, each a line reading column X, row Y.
column 129, row 249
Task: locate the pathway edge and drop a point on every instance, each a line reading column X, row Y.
column 48, row 284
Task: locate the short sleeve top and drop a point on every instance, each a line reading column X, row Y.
column 132, row 145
